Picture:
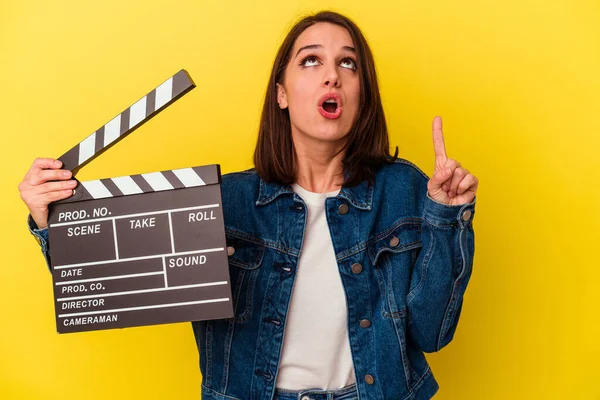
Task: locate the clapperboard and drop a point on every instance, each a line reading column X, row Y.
column 142, row 249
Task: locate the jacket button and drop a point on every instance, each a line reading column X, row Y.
column 369, row 379
column 343, row 209
column 466, row 215
column 356, row 268
column 394, row 242
column 230, row 250
column 365, row 323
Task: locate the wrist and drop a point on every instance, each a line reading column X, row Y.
column 39, row 224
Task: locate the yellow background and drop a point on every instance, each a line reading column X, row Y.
column 517, row 83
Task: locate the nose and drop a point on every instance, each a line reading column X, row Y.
column 331, row 78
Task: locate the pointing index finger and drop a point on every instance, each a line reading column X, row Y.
column 438, row 141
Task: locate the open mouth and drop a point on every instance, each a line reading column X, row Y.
column 330, row 105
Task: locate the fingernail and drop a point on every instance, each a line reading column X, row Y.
column 66, row 173
column 57, row 163
column 71, row 183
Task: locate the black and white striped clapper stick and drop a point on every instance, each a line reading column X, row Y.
column 141, row 249
column 127, row 121
column 146, row 183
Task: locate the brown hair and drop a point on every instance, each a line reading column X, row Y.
column 367, row 147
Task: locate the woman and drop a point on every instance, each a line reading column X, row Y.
column 346, row 263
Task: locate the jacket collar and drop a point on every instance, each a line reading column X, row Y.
column 359, row 196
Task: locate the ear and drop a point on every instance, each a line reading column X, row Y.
column 281, row 97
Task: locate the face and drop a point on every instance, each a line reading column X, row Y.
column 321, row 84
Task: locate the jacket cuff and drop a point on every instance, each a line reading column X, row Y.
column 40, row 235
column 437, row 213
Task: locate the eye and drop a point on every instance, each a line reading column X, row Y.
column 348, row 63
column 309, row 61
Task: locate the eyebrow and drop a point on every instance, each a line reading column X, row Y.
column 318, row 46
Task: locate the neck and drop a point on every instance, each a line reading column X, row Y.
column 319, row 168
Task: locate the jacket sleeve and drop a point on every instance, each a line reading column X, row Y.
column 441, row 273
column 41, row 236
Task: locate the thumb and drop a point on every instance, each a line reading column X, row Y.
column 438, row 178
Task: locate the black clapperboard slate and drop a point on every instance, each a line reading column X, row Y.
column 142, row 249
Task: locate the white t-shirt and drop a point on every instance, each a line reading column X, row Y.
column 316, row 351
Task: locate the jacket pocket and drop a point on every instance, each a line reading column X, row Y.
column 404, row 237
column 245, row 257
column 393, row 254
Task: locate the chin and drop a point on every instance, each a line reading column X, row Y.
column 331, row 133
column 324, row 132
column 329, row 136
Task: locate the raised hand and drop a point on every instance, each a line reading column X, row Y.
column 44, row 183
column 450, row 183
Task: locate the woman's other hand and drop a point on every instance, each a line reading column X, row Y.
column 451, row 183
column 44, row 183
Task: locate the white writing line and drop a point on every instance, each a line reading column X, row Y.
column 86, row 221
column 92, row 296
column 115, row 235
column 171, row 232
column 165, row 272
column 188, row 303
column 138, row 258
column 109, row 278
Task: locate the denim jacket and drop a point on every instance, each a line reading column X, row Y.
column 404, row 260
